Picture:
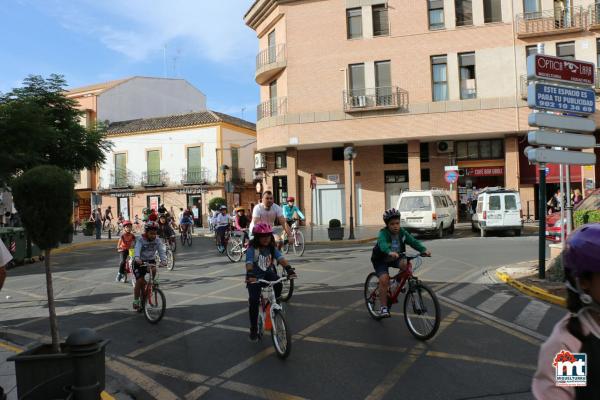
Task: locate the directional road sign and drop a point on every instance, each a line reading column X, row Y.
column 572, row 124
column 561, row 98
column 570, row 140
column 540, row 66
column 541, row 155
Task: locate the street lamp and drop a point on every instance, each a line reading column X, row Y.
column 350, row 154
column 224, row 169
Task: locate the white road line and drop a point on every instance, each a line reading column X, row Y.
column 467, row 292
column 492, row 304
column 159, row 343
column 532, row 314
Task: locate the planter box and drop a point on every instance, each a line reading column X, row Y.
column 335, row 233
column 68, row 238
column 42, row 375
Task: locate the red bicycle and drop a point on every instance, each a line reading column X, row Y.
column 421, row 306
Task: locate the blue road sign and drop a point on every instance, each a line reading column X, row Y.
column 561, row 98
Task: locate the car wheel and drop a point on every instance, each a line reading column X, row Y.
column 451, row 230
column 517, row 232
column 441, row 231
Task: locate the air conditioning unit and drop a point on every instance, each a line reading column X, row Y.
column 445, row 146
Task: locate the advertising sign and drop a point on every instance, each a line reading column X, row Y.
column 540, row 66
column 561, row 98
column 485, row 171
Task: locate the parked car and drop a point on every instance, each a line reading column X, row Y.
column 427, row 211
column 553, row 228
column 498, row 210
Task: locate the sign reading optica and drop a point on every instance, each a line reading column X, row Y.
column 561, row 98
column 554, row 68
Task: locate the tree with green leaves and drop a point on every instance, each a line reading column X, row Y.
column 44, row 197
column 40, row 125
column 215, row 203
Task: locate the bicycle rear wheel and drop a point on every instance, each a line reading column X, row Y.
column 288, row 285
column 234, row 250
column 281, row 335
column 371, row 294
column 173, row 244
column 170, row 260
column 299, row 244
column 421, row 311
column 182, row 238
column 154, row 305
column 189, row 240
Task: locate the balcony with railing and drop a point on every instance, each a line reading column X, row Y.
column 389, row 97
column 121, row 179
column 594, row 16
column 238, row 175
column 551, row 22
column 196, row 176
column 270, row 62
column 154, row 178
column 271, row 108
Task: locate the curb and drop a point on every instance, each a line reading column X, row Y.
column 531, row 290
column 336, row 243
column 6, row 345
column 76, row 246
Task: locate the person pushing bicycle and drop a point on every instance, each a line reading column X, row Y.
column 260, row 264
column 146, row 247
column 389, row 252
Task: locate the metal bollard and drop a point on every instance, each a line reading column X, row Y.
column 84, row 345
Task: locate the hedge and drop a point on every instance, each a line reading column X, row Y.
column 583, row 217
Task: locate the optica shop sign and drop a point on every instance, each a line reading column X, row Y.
column 557, row 69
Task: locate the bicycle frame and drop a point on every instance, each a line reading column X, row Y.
column 267, row 297
column 402, row 277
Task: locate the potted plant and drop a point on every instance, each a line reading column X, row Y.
column 215, row 203
column 88, row 228
column 335, row 230
column 68, row 235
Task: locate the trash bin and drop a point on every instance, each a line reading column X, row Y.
column 15, row 242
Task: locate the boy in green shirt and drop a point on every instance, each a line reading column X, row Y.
column 389, row 252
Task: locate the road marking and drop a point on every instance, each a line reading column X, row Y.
column 30, row 321
column 457, row 280
column 230, row 315
column 532, row 314
column 515, row 330
column 159, row 343
column 144, row 382
column 113, row 323
column 393, row 377
column 348, row 343
column 197, row 393
column 10, row 347
column 467, row 292
column 166, row 371
column 248, row 363
column 183, row 321
column 258, row 391
column 480, row 360
column 26, row 334
column 493, row 304
column 230, row 328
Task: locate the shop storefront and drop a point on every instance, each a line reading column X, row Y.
column 194, row 200
column 83, row 206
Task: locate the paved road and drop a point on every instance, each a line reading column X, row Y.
column 486, row 348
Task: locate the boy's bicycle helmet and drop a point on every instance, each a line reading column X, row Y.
column 262, row 229
column 151, row 226
column 390, row 214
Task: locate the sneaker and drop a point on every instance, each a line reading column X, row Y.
column 384, row 313
column 253, row 336
column 118, row 278
column 137, row 304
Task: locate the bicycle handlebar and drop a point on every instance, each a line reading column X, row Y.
column 269, row 283
column 412, row 257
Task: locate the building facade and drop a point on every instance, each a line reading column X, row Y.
column 413, row 86
column 178, row 161
column 128, row 99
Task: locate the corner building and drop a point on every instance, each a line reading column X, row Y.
column 413, row 85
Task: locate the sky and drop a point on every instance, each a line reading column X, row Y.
column 89, row 41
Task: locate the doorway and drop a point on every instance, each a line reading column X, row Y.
column 280, row 189
column 194, row 201
column 330, row 203
column 395, row 183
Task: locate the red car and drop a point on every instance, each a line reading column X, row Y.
column 553, row 228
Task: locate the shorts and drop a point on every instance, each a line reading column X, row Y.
column 383, row 267
column 140, row 271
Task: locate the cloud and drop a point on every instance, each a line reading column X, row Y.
column 139, row 29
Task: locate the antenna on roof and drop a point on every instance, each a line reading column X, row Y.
column 175, row 59
column 243, row 109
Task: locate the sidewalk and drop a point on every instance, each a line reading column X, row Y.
column 8, row 380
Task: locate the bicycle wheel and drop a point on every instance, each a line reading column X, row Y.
column 234, row 250
column 189, row 240
column 372, row 296
column 174, row 245
column 182, row 238
column 282, row 338
column 299, row 244
column 421, row 311
column 288, row 286
column 154, row 305
column 170, row 260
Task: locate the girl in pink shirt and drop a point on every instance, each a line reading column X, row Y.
column 579, row 331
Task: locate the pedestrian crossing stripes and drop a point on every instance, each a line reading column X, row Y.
column 467, row 291
column 532, row 314
column 492, row 304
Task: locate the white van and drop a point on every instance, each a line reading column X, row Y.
column 498, row 210
column 427, row 211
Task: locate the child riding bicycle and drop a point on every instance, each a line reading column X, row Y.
column 146, row 247
column 389, row 252
column 260, row 264
column 186, row 221
column 126, row 242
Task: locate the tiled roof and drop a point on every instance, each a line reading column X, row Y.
column 176, row 121
column 97, row 86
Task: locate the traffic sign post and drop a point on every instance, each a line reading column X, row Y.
column 559, row 86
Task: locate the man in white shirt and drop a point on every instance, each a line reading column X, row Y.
column 5, row 258
column 221, row 222
column 267, row 212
